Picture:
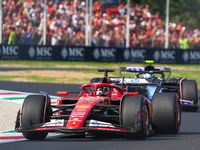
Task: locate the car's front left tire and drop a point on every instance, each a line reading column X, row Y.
column 34, row 111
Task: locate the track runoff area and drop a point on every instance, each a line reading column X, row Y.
column 16, row 97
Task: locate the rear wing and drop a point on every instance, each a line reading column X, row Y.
column 138, row 69
column 106, row 71
column 141, row 70
column 105, row 79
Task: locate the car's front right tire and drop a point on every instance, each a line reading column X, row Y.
column 131, row 105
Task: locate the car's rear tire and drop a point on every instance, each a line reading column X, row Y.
column 166, row 116
column 189, row 92
column 33, row 113
column 130, row 107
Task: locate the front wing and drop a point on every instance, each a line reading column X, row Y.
column 58, row 126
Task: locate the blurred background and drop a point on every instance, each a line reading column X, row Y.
column 106, row 23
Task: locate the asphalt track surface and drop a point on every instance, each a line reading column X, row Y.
column 187, row 139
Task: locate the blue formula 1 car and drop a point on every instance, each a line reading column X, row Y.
column 150, row 79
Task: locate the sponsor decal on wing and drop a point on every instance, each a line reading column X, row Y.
column 135, row 81
column 135, row 68
column 186, row 102
column 95, row 123
column 83, row 106
column 116, row 79
column 54, row 122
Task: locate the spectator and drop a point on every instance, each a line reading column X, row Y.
column 111, row 41
column 54, row 38
column 21, row 38
column 36, row 36
column 183, row 42
column 66, row 25
column 70, row 41
column 196, row 36
column 95, row 38
column 102, row 41
column 28, row 37
column 142, row 37
column 119, row 40
column 134, row 40
column 17, row 32
column 157, row 41
column 173, row 41
column 12, row 37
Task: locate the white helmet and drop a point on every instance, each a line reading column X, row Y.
column 99, row 93
column 147, row 75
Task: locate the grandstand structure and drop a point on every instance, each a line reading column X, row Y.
column 102, row 23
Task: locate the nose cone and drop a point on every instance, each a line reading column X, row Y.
column 74, row 124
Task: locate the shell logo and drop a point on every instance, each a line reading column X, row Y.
column 83, row 106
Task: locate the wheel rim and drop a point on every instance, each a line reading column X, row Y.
column 178, row 114
column 146, row 117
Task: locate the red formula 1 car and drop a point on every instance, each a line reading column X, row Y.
column 100, row 107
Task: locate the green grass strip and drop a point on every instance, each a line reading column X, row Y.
column 13, row 98
column 11, row 131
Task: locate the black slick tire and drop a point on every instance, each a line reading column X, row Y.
column 166, row 116
column 33, row 110
column 130, row 107
column 189, row 92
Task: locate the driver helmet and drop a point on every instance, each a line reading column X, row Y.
column 102, row 91
column 147, row 75
column 99, row 93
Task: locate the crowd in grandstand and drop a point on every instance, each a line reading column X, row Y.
column 23, row 24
